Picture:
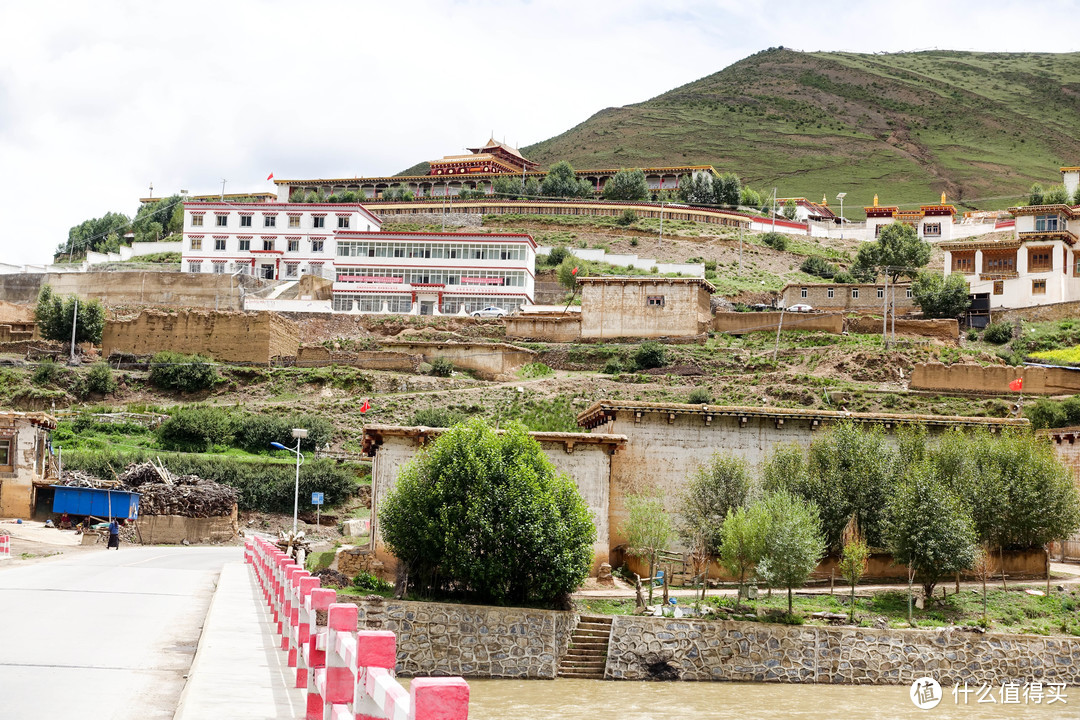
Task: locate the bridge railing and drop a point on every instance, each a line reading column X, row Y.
column 346, row 673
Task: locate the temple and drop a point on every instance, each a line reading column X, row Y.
column 933, row 223
column 493, row 158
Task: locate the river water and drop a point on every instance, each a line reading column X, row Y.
column 599, row 700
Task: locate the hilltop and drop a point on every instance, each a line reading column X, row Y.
column 980, row 126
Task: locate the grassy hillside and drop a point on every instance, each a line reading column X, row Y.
column 980, row 126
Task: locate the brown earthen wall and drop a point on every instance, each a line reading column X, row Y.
column 1039, row 313
column 169, row 289
column 489, row 360
column 617, row 309
column 945, row 330
column 994, row 379
column 225, row 336
column 738, row 323
column 817, row 297
column 319, row 356
column 174, row 529
column 544, row 329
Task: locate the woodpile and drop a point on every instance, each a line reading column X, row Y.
column 163, row 494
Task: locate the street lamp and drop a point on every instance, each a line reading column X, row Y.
column 299, row 434
column 840, row 197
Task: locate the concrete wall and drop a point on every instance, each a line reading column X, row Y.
column 488, row 360
column 172, row 289
column 174, row 529
column 817, row 296
column 619, row 308
column 994, row 379
column 28, row 461
column 225, row 336
column 319, row 356
column 739, row 323
column 945, row 330
column 470, row 640
column 756, row 652
column 540, row 328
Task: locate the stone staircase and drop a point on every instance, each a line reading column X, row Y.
column 587, row 654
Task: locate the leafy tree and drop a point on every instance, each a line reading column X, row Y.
column 442, row 367
column 785, row 468
column 627, row 218
column 398, row 193
column 697, row 188
column 699, row 396
column 793, row 544
column 155, row 221
column 650, row 354
column 197, row 427
column 713, row 491
column 1056, row 195
column 750, row 197
column 54, row 317
column 510, row 186
column 1076, row 196
column 817, row 265
column 727, row 190
column 898, row 252
column 533, row 189
column 791, row 209
column 648, row 529
column 184, row 373
column 296, row 196
column 844, row 276
column 1046, row 413
column 998, row 333
column 561, row 181
column 939, row 296
column 929, row 529
column 627, row 186
column 1035, row 194
column 853, row 559
column 565, row 272
column 775, row 240
column 486, row 515
column 742, row 541
column 556, row 256
column 94, row 234
column 100, row 379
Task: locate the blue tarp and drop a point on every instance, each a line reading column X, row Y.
column 92, row 501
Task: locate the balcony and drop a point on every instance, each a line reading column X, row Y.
column 1063, row 235
column 1010, row 275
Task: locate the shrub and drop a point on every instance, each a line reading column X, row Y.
column 46, row 373
column 442, row 367
column 998, row 333
column 972, row 334
column 367, row 581
column 775, row 240
column 613, row 366
column 254, row 433
column 198, row 427
column 1046, row 413
column 815, row 265
column 438, row 417
column 536, row 370
column 711, row 493
column 699, row 396
column 100, row 379
column 628, row 217
column 710, row 266
column 184, row 373
column 650, row 355
column 556, row 256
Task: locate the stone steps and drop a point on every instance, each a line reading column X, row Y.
column 586, row 657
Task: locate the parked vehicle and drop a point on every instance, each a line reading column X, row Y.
column 490, row 312
column 800, row 307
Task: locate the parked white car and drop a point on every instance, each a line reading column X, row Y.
column 800, row 307
column 489, row 312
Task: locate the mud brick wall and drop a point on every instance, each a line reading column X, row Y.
column 544, row 329
column 319, row 356
column 945, row 330
column 738, row 323
column 994, row 379
column 225, row 336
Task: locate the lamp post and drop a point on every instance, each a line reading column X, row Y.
column 299, row 434
column 840, row 197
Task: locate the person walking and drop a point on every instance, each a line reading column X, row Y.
column 114, row 534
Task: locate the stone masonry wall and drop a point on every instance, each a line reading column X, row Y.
column 470, row 640
column 752, row 652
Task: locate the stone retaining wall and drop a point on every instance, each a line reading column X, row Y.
column 470, row 640
column 645, row 648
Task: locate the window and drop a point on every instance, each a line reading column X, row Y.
column 294, row 221
column 294, row 245
column 999, row 287
column 999, row 264
column 245, row 243
column 196, row 243
column 1040, row 259
column 854, row 293
column 219, row 243
column 268, row 244
column 7, row 454
column 291, row 270
column 343, row 222
column 1038, row 287
column 908, row 294
column 802, row 293
column 881, row 293
column 269, row 221
column 655, row 301
column 343, row 303
column 877, row 230
column 963, row 262
column 317, row 246
column 931, row 229
column 1048, row 223
column 830, row 292
column 196, row 221
column 318, row 221
column 245, row 221
column 194, row 266
column 219, row 268
column 1076, row 269
column 222, row 220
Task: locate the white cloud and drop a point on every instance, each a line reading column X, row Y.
column 98, row 100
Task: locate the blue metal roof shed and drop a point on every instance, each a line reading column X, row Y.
column 97, row 502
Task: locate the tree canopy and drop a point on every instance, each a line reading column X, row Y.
column 54, row 316
column 561, row 181
column 627, row 186
column 713, row 491
column 939, row 296
column 898, row 252
column 486, row 516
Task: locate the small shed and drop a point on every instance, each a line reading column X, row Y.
column 102, row 503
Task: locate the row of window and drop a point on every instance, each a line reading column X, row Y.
column 831, row 292
column 514, row 278
column 404, row 304
column 1040, row 259
column 270, row 221
column 928, row 229
column 440, row 250
column 244, row 244
column 1049, row 223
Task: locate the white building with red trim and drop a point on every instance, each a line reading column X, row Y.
column 432, row 273
column 276, row 241
column 933, row 223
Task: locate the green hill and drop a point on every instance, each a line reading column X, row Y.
column 980, row 126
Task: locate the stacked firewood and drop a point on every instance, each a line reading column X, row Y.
column 78, row 478
column 161, row 493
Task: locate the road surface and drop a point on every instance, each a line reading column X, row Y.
column 108, row 634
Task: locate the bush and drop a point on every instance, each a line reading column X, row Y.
column 628, row 217
column 485, row 515
column 197, row 427
column 54, row 316
column 438, row 417
column 183, row 373
column 775, row 240
column 254, row 433
column 613, row 366
column 46, row 373
column 442, row 367
column 972, row 334
column 536, row 370
column 699, row 396
column 650, row 355
column 1046, row 413
column 100, row 379
column 998, row 333
column 367, row 581
column 815, row 265
column 710, row 266
column 556, row 256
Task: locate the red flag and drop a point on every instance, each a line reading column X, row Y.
column 270, row 176
column 1017, row 385
column 365, row 407
column 574, row 271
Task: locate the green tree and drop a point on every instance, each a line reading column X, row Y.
column 715, row 489
column 727, row 190
column 793, row 544
column 650, row 354
column 398, row 193
column 54, row 316
column 742, row 542
column 94, row 234
column 1076, row 196
column 697, row 188
column 648, row 529
column 627, row 186
column 566, row 272
column 939, row 296
column 1035, row 194
column 775, row 240
column 898, row 252
column 561, row 181
column 100, row 379
column 791, row 209
column 486, row 515
column 1056, row 195
column 750, row 197
column 853, row 560
column 158, row 220
column 184, row 373
column 508, row 186
column 817, row 265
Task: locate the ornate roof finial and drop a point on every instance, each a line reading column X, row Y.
column 825, row 201
column 875, row 199
column 942, row 197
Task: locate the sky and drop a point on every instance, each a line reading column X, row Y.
column 99, row 100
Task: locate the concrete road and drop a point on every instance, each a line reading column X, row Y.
column 108, row 634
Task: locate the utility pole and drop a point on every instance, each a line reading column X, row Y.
column 885, row 308
column 779, row 325
column 223, row 190
column 774, row 209
column 661, row 241
column 740, row 249
column 894, row 314
column 840, row 197
column 74, row 324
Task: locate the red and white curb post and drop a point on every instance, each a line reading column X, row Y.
column 5, row 547
column 347, row 674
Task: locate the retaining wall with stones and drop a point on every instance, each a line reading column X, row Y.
column 470, row 640
column 644, row 648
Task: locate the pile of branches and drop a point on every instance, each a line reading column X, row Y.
column 187, row 495
column 138, row 474
column 78, row 478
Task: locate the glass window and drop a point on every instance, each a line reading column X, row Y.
column 291, row 270
column 1038, row 287
column 7, row 455
column 294, row 245
column 343, row 303
column 219, row 268
column 219, row 243
column 269, row 221
column 196, row 243
column 317, row 246
column 196, row 221
column 655, row 301
column 342, row 222
column 268, row 244
column 999, row 287
column 830, row 292
column 245, row 243
column 802, row 293
column 245, row 221
column 222, row 220
column 854, row 293
column 881, row 292
column 318, row 221
column 294, row 221
column 194, row 266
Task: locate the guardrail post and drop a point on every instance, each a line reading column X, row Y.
column 438, row 698
column 340, row 670
column 320, row 600
column 305, row 619
column 294, row 613
column 376, row 650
